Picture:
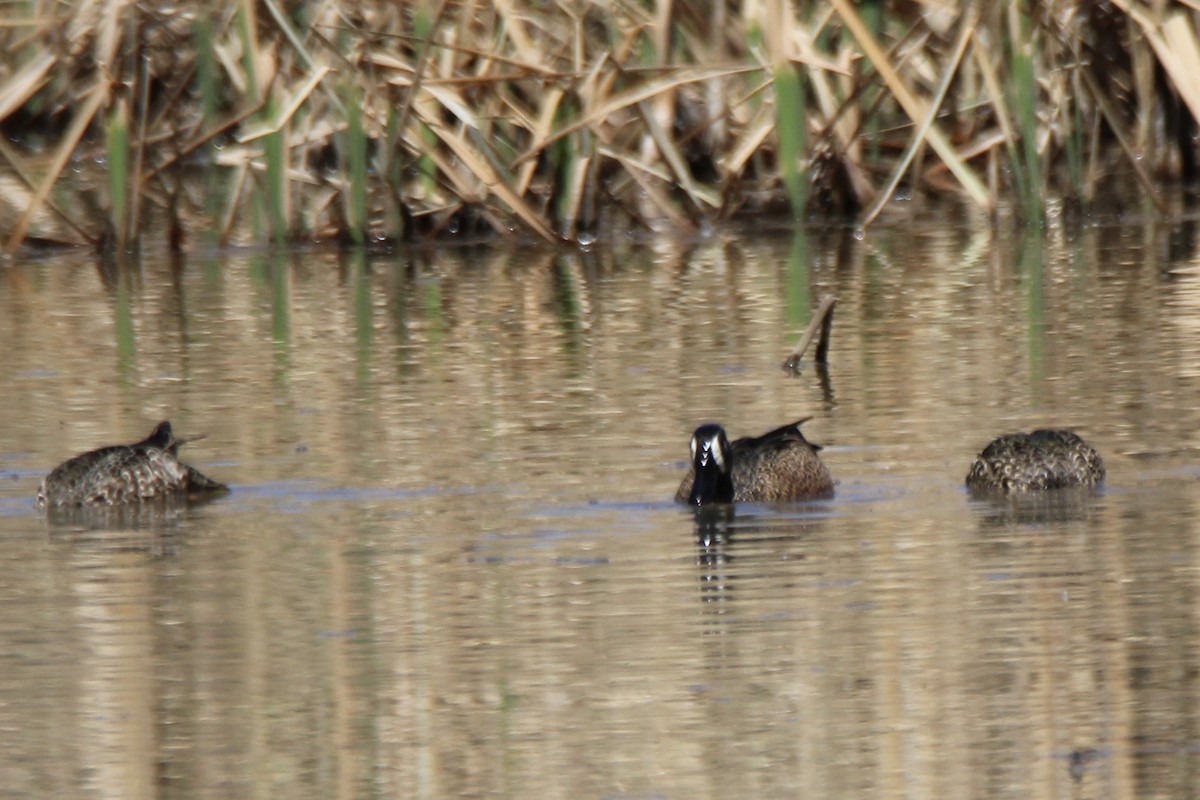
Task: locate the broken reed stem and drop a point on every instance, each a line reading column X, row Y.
column 822, row 321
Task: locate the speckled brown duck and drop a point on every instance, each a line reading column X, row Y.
column 1030, row 462
column 779, row 466
column 126, row 474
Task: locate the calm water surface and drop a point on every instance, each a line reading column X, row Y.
column 449, row 565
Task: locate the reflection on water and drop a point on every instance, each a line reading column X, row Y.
column 449, row 565
column 151, row 516
column 1000, row 510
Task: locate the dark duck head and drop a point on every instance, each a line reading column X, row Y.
column 162, row 438
column 712, row 459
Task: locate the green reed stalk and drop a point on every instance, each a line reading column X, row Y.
column 206, row 71
column 1075, row 143
column 391, row 168
column 275, row 152
column 1025, row 89
column 356, row 158
column 117, row 150
column 246, row 21
column 564, row 161
column 792, row 130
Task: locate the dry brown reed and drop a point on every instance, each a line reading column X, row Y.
column 566, row 120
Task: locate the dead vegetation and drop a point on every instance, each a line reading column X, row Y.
column 380, row 121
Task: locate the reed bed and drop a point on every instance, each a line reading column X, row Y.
column 380, row 122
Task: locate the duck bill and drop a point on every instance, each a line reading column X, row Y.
column 181, row 441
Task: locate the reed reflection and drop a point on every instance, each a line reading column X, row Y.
column 112, row 578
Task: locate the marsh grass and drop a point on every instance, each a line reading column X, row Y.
column 379, row 122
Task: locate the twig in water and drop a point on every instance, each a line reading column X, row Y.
column 823, row 321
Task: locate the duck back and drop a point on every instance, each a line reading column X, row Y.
column 122, row 474
column 1042, row 459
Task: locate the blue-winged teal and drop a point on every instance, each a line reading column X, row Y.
column 127, row 473
column 778, row 466
column 1027, row 462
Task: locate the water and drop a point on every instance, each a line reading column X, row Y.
column 449, row 565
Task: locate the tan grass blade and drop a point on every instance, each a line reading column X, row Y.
column 846, row 121
column 640, row 171
column 1112, row 117
column 544, row 125
column 1175, row 45
column 1185, row 66
column 481, row 168
column 969, row 24
column 292, row 107
column 24, row 83
column 236, row 187
column 289, row 32
column 454, row 103
column 631, row 98
column 700, row 195
column 913, row 107
column 750, row 140
column 108, row 36
column 991, row 83
column 96, row 97
column 188, row 148
column 14, row 161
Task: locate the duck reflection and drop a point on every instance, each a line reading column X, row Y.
column 145, row 526
column 714, row 543
column 1074, row 504
column 745, row 550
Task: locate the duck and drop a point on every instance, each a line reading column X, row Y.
column 779, row 466
column 1029, row 462
column 126, row 474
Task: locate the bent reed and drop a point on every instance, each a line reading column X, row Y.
column 366, row 122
